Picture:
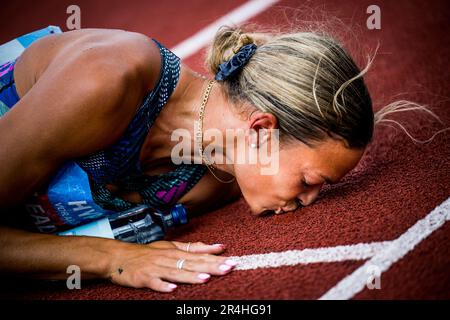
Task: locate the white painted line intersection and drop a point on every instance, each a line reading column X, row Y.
column 381, row 255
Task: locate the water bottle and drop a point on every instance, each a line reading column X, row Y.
column 142, row 224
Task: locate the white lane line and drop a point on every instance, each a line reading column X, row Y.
column 359, row 251
column 348, row 287
column 245, row 12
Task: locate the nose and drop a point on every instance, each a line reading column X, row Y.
column 306, row 198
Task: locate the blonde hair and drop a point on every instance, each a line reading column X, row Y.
column 307, row 80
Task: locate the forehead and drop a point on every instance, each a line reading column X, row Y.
column 330, row 158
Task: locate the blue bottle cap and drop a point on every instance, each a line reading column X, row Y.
column 179, row 214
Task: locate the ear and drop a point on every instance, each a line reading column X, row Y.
column 260, row 125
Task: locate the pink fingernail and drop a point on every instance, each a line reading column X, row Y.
column 224, row 267
column 218, row 245
column 231, row 263
column 172, row 286
column 203, row 276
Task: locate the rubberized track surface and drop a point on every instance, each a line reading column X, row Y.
column 396, row 184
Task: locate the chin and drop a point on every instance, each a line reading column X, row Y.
column 256, row 211
column 255, row 208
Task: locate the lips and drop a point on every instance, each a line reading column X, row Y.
column 280, row 210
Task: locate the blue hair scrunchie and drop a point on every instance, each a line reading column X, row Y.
column 231, row 67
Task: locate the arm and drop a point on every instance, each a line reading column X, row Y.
column 74, row 109
column 209, row 194
column 144, row 266
column 48, row 256
column 78, row 106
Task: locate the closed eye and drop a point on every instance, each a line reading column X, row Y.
column 305, row 184
column 309, row 185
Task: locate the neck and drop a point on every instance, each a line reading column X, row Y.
column 219, row 115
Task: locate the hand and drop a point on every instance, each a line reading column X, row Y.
column 154, row 265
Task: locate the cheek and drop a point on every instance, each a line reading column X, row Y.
column 251, row 180
column 287, row 187
column 267, row 190
column 257, row 189
column 289, row 175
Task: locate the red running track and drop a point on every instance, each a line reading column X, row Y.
column 396, row 184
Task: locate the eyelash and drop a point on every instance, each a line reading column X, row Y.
column 306, row 185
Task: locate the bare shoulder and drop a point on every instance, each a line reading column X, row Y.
column 129, row 55
column 115, row 54
column 135, row 54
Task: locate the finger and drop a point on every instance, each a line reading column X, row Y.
column 179, row 254
column 200, row 266
column 144, row 281
column 200, row 247
column 182, row 276
column 161, row 245
column 160, row 285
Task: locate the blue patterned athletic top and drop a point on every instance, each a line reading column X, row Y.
column 119, row 163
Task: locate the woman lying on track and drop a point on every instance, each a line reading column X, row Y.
column 110, row 100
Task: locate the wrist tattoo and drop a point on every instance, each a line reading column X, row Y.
column 119, row 271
